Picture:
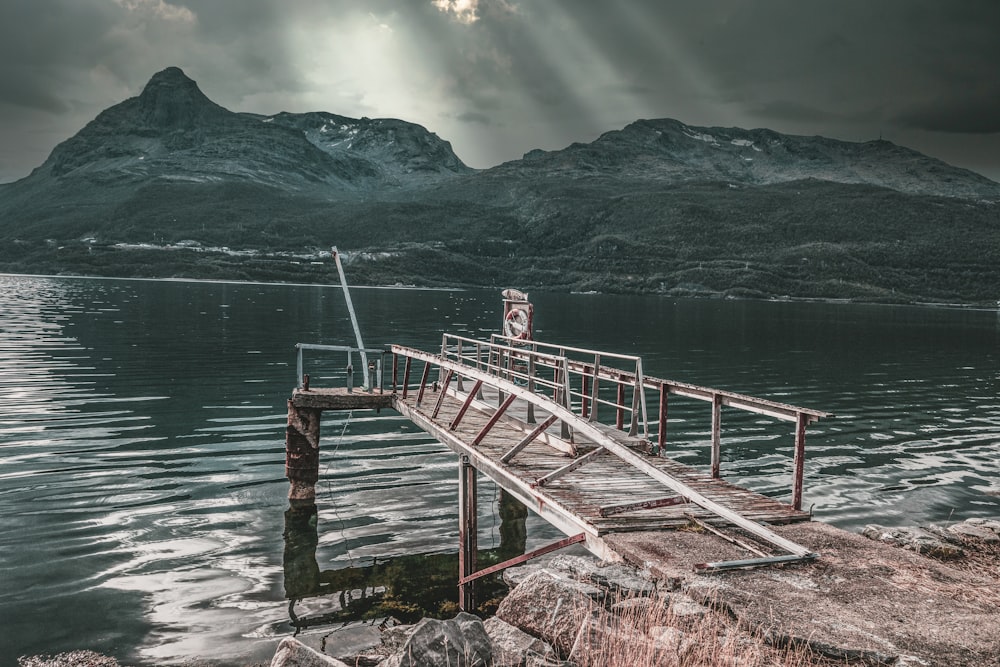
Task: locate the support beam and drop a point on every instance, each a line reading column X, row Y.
column 423, row 382
column 467, row 533
column 570, row 467
column 524, row 558
column 528, row 439
column 465, row 405
column 444, row 392
column 494, row 419
column 406, row 375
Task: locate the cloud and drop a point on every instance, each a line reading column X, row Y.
column 464, row 11
column 159, row 9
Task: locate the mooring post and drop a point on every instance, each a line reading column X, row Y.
column 467, row 533
column 302, row 454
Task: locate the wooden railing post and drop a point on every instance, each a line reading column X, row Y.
column 661, row 432
column 800, row 459
column 716, row 433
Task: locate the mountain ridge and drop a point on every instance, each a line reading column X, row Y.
column 169, row 183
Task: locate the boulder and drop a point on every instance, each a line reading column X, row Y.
column 915, row 539
column 459, row 642
column 967, row 529
column 293, row 653
column 551, row 607
column 513, row 647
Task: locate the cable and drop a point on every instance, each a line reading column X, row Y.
column 329, row 488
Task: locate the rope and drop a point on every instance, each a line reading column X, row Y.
column 329, row 487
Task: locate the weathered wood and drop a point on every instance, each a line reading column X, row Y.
column 339, row 398
column 525, row 557
column 619, row 449
column 656, row 503
column 406, row 376
column 661, row 432
column 302, row 452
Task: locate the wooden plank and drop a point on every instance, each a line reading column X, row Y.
column 608, row 510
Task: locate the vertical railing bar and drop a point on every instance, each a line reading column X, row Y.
column 801, row 419
column 298, row 366
column 423, row 382
column 406, row 376
column 716, row 434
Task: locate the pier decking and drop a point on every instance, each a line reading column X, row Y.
column 565, row 431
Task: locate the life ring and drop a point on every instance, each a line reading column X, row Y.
column 515, row 324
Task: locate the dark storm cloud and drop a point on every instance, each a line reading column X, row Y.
column 500, row 77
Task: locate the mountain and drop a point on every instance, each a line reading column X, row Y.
column 170, row 183
column 669, row 151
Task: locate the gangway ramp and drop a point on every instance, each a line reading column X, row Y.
column 516, row 414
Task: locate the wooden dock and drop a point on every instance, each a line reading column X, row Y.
column 567, row 432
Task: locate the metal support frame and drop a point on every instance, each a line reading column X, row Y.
column 354, row 317
column 525, row 557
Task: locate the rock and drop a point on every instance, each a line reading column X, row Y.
column 70, row 659
column 513, row 576
column 551, row 607
column 979, row 532
column 686, row 612
column 624, row 581
column 668, row 639
column 915, row 539
column 513, row 647
column 293, row 653
column 459, row 642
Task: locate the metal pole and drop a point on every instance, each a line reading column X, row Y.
column 350, row 309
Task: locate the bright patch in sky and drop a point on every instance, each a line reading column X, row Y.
column 465, row 11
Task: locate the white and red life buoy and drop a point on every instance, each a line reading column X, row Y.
column 516, row 324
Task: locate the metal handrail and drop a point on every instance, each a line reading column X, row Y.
column 372, row 377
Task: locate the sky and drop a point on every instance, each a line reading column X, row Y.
column 498, row 78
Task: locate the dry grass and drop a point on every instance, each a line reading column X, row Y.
column 653, row 633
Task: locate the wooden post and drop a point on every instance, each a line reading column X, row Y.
column 661, row 433
column 467, row 533
column 800, row 459
column 302, row 454
column 716, row 433
column 585, row 393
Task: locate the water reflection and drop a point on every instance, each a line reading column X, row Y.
column 406, row 587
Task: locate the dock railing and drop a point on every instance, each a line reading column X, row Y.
column 596, row 384
column 371, row 377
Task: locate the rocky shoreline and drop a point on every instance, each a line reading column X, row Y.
column 575, row 611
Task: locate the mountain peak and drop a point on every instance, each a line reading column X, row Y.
column 171, row 100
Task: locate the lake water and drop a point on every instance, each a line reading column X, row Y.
column 142, row 496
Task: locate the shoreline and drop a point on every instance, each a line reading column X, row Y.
column 721, row 296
